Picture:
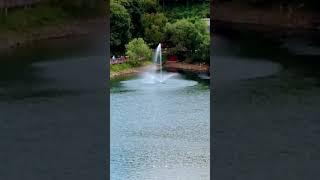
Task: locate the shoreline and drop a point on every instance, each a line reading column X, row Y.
column 196, row 68
column 128, row 72
column 174, row 66
column 79, row 27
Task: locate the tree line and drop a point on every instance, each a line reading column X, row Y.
column 144, row 23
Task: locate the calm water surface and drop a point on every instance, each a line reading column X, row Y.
column 160, row 131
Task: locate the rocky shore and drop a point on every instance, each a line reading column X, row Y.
column 197, row 68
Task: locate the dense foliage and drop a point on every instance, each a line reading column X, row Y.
column 120, row 27
column 136, row 9
column 197, row 10
column 182, row 2
column 154, row 27
column 189, row 39
column 138, row 51
column 154, row 21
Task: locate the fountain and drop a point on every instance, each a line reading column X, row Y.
column 154, row 78
column 158, row 55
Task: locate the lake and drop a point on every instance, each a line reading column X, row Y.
column 160, row 130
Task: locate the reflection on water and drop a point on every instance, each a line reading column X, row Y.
column 160, row 131
column 157, row 86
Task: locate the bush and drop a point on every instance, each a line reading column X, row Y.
column 151, row 6
column 154, row 25
column 120, row 27
column 189, row 38
column 202, row 54
column 138, row 52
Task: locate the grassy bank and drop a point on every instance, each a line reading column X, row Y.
column 116, row 68
column 124, row 69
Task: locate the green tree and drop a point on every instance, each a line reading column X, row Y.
column 138, row 52
column 136, row 9
column 189, row 39
column 181, row 2
column 154, row 27
column 120, row 27
column 202, row 54
column 151, row 6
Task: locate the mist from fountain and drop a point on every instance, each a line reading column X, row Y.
column 155, row 73
column 155, row 79
column 158, row 56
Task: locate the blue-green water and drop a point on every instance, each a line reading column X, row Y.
column 160, row 131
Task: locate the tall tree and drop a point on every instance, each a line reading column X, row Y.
column 120, row 27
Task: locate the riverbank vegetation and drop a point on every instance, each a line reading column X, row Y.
column 189, row 40
column 120, row 70
column 138, row 51
column 137, row 26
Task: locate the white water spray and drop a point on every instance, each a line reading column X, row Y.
column 158, row 56
column 152, row 76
